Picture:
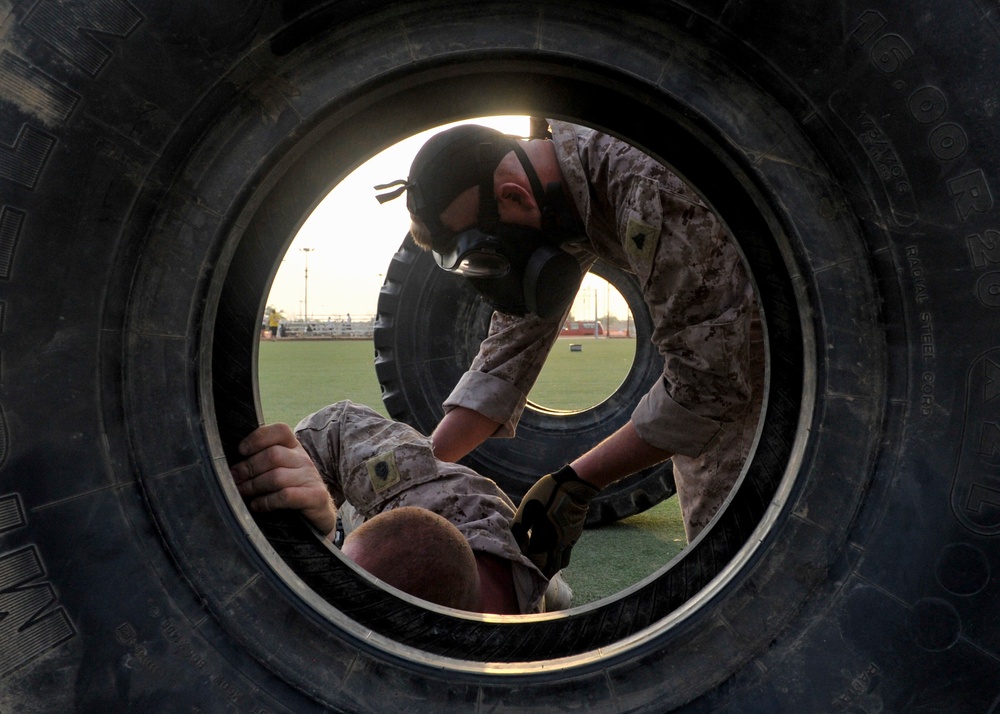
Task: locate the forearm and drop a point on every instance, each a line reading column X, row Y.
column 461, row 431
column 621, row 454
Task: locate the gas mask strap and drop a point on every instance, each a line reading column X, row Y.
column 558, row 225
column 489, row 212
column 529, row 170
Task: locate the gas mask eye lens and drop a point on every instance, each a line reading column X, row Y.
column 474, row 254
column 481, row 264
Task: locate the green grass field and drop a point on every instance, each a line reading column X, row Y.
column 299, row 377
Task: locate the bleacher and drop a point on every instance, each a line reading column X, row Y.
column 333, row 328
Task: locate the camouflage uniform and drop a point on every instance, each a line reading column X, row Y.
column 378, row 465
column 643, row 219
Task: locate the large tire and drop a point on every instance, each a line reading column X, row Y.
column 154, row 169
column 429, row 328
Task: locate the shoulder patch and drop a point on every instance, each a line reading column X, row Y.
column 382, row 471
column 641, row 240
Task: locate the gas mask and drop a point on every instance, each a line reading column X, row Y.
column 516, row 269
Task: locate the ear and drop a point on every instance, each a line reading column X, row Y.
column 515, row 196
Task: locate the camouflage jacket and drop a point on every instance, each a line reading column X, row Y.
column 642, row 218
column 378, row 464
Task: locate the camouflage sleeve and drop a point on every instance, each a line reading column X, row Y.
column 695, row 286
column 701, row 302
column 319, row 435
column 508, row 363
column 365, row 458
column 665, row 424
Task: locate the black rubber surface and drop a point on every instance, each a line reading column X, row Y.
column 155, row 160
column 428, row 330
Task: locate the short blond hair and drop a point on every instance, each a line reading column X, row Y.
column 419, row 552
column 420, row 232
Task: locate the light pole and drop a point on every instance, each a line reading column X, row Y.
column 307, row 251
column 596, row 322
column 607, row 311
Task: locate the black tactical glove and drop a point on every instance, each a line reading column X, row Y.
column 550, row 519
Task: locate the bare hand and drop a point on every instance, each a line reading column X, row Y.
column 278, row 474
